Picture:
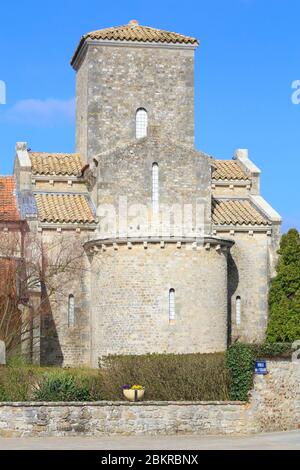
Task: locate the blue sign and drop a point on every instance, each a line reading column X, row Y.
column 261, row 367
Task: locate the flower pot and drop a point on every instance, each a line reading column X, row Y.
column 134, row 395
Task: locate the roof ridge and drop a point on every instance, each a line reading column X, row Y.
column 55, row 153
column 61, row 193
column 134, row 26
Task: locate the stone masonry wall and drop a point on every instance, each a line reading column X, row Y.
column 120, row 418
column 184, row 177
column 274, row 406
column 115, row 80
column 63, row 344
column 130, row 300
column 248, row 272
column 276, row 397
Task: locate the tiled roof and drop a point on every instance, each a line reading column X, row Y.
column 64, row 208
column 137, row 33
column 228, row 170
column 8, row 202
column 236, row 212
column 63, row 164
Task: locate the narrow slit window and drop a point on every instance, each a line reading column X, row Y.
column 172, row 312
column 71, row 311
column 141, row 123
column 238, row 310
column 155, row 187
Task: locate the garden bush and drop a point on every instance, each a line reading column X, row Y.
column 15, row 383
column 61, row 387
column 168, row 376
column 29, row 383
column 273, row 350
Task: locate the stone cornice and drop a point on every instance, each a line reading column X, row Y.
column 81, row 50
column 196, row 241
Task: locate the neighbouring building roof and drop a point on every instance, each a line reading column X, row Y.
column 236, row 212
column 64, row 208
column 135, row 32
column 8, row 202
column 61, row 164
column 228, row 170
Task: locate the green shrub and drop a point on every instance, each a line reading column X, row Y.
column 206, row 377
column 240, row 361
column 273, row 350
column 30, row 383
column 284, row 297
column 3, row 394
column 15, row 383
column 168, row 376
column 61, row 387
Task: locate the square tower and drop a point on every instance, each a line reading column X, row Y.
column 129, row 77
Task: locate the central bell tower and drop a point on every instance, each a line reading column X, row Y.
column 125, row 69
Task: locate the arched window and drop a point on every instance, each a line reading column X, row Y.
column 238, row 310
column 71, row 311
column 155, row 187
column 172, row 312
column 141, row 123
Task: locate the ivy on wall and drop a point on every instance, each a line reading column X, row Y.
column 240, row 362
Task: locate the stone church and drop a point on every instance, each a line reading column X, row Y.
column 191, row 284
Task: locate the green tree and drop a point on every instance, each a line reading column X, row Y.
column 284, row 297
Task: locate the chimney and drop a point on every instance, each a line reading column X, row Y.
column 241, row 154
column 22, row 167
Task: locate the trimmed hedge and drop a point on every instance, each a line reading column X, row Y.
column 168, row 377
column 165, row 377
column 273, row 350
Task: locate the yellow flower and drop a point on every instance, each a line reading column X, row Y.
column 137, row 387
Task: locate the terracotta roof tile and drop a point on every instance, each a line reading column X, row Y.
column 137, row 33
column 228, row 170
column 56, row 163
column 64, row 208
column 236, row 212
column 8, row 201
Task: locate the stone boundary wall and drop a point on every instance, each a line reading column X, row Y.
column 120, row 418
column 274, row 405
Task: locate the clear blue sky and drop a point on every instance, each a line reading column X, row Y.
column 245, row 66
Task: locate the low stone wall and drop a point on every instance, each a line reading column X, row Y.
column 112, row 418
column 274, row 405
